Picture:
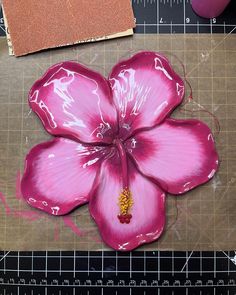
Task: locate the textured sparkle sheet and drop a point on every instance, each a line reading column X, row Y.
column 203, row 219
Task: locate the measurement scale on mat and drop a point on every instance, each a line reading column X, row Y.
column 177, row 16
column 110, row 272
column 173, row 16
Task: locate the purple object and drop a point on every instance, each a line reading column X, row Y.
column 209, row 8
column 116, row 146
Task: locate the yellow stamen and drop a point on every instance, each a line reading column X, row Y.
column 125, row 201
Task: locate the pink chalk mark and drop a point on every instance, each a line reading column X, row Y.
column 33, row 216
column 68, row 221
column 3, row 200
column 27, row 214
column 30, row 215
column 18, row 186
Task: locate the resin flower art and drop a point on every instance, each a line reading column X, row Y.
column 115, row 146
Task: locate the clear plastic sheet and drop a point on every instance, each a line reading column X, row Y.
column 202, row 219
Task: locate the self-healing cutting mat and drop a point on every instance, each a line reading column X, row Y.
column 203, row 219
column 35, row 25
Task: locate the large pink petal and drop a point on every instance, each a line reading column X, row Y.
column 180, row 154
column 148, row 214
column 145, row 90
column 59, row 174
column 74, row 101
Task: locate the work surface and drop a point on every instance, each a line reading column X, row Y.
column 203, row 219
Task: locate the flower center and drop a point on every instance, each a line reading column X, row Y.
column 125, row 203
column 125, row 200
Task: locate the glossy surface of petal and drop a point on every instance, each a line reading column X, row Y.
column 59, row 175
column 145, row 89
column 74, row 102
column 179, row 154
column 148, row 216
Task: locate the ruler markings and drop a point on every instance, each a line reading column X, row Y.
column 167, row 260
column 200, row 263
column 88, row 263
column 144, row 258
column 171, row 9
column 46, row 264
column 4, row 261
column 116, row 264
column 4, row 256
column 228, row 263
column 184, row 8
column 119, row 286
column 173, row 263
column 158, row 17
column 214, row 264
column 102, row 264
column 123, row 271
column 18, row 263
column 130, row 265
column 187, row 25
column 107, row 256
column 74, row 264
column 60, row 263
column 32, row 263
column 187, row 259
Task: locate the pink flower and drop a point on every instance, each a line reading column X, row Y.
column 116, row 146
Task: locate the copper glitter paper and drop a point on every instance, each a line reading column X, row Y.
column 35, row 25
